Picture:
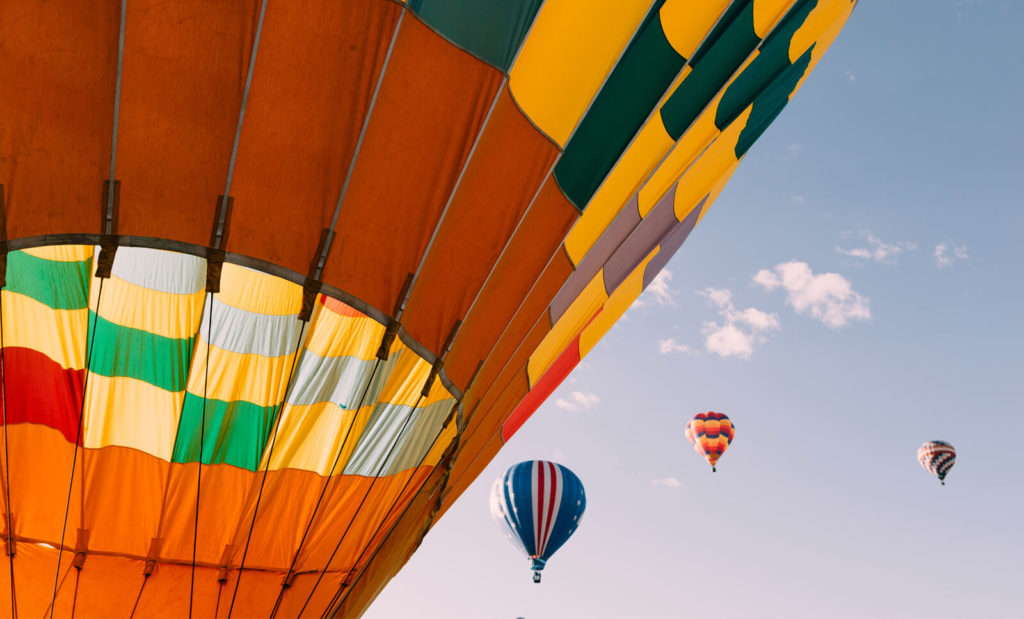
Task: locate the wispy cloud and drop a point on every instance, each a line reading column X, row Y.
column 850, row 76
column 798, row 200
column 667, row 482
column 658, row 291
column 945, row 255
column 827, row 297
column 670, row 345
column 877, row 249
column 740, row 330
column 578, row 401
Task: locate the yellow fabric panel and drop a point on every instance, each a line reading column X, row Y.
column 687, row 149
column 568, row 326
column 715, row 191
column 130, row 413
column 438, row 393
column 615, row 307
column 443, row 440
column 647, row 149
column 235, row 376
column 767, row 13
column 258, row 292
column 411, row 373
column 706, row 171
column 309, row 437
column 687, row 22
column 571, row 48
column 333, row 335
column 58, row 334
column 825, row 16
column 162, row 313
column 61, row 253
column 826, row 37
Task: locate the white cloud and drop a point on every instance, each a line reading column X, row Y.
column 827, row 297
column 668, row 482
column 878, row 250
column 578, row 401
column 670, row 345
column 850, row 76
column 728, row 339
column 799, row 200
column 944, row 259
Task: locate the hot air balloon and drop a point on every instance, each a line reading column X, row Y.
column 937, row 457
column 710, row 433
column 281, row 278
column 539, row 504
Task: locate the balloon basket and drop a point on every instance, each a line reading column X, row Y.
column 536, row 577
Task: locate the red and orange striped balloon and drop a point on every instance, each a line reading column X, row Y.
column 711, row 433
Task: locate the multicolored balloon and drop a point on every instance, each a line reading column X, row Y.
column 711, row 433
column 937, row 457
column 540, row 504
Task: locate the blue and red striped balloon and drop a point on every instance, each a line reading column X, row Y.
column 539, row 504
column 937, row 457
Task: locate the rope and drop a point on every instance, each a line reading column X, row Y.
column 78, row 441
column 323, row 491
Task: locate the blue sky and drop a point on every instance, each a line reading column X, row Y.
column 855, row 291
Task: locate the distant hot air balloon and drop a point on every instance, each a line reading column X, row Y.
column 540, row 504
column 937, row 457
column 711, row 433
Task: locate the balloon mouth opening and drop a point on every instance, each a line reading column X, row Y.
column 537, row 564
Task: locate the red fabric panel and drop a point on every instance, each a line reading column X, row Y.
column 38, row 390
column 431, row 106
column 58, row 63
column 508, row 166
column 317, row 67
column 525, row 266
column 185, row 63
column 558, row 372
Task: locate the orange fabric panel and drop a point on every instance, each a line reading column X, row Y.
column 528, row 254
column 431, row 105
column 39, row 485
column 284, row 511
column 104, row 584
column 377, row 569
column 166, row 594
column 34, row 569
column 184, row 72
column 124, row 491
column 317, row 66
column 58, row 71
column 223, row 492
column 339, row 509
column 295, row 596
column 506, row 170
column 469, row 473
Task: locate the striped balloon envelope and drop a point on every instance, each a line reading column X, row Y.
column 711, row 434
column 540, row 504
column 937, row 457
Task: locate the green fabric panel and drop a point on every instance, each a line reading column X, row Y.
column 235, row 433
column 770, row 62
column 634, row 87
column 771, row 102
column 725, row 19
column 720, row 61
column 123, row 351
column 491, row 30
column 56, row 284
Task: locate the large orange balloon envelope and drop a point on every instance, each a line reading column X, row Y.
column 711, row 433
